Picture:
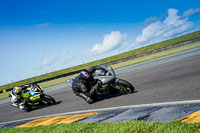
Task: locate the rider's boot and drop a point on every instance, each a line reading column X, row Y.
column 86, row 98
column 15, row 104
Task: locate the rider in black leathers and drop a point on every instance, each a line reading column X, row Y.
column 85, row 86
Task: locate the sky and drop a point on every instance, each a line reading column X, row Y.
column 42, row 36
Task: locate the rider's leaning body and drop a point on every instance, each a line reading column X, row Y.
column 84, row 85
column 16, row 94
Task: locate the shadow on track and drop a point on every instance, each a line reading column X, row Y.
column 100, row 98
column 43, row 106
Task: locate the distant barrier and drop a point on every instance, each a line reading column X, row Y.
column 120, row 60
column 152, row 51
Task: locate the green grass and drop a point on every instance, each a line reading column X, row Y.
column 105, row 60
column 56, row 81
column 4, row 95
column 121, row 127
column 156, row 55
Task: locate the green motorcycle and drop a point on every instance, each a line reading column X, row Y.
column 34, row 97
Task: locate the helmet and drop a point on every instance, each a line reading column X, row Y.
column 85, row 74
column 17, row 90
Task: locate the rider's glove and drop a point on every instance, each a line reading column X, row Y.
column 98, row 85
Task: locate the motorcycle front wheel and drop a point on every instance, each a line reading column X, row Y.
column 125, row 86
column 27, row 107
column 48, row 100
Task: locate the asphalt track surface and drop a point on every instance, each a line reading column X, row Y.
column 163, row 80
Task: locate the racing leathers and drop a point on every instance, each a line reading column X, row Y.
column 17, row 100
column 86, row 88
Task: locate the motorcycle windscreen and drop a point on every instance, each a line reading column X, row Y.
column 105, row 79
column 109, row 69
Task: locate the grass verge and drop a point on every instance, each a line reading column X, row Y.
column 121, row 127
column 156, row 55
column 4, row 95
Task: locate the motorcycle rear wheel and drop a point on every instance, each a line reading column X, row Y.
column 48, row 100
column 125, row 86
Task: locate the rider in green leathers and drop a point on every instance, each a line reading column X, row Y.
column 16, row 97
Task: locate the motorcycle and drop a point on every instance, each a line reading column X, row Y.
column 111, row 84
column 36, row 97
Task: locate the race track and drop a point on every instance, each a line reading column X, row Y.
column 164, row 80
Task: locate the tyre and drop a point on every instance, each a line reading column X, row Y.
column 125, row 86
column 48, row 100
column 27, row 108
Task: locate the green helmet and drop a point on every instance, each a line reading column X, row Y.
column 17, row 90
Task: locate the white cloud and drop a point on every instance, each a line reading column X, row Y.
column 46, row 50
column 150, row 20
column 38, row 67
column 191, row 12
column 173, row 19
column 172, row 25
column 42, row 25
column 151, row 31
column 51, row 60
column 64, row 53
column 110, row 42
column 179, row 29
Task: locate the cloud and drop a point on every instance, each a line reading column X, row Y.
column 38, row 67
column 46, row 50
column 47, row 62
column 149, row 20
column 64, row 53
column 151, row 31
column 191, row 12
column 172, row 25
column 110, row 42
column 51, row 60
column 42, row 25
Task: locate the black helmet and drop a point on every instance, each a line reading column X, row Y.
column 85, row 74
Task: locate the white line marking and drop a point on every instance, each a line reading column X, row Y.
column 113, row 108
